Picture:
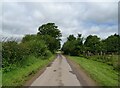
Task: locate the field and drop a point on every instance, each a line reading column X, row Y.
column 102, row 73
column 18, row 76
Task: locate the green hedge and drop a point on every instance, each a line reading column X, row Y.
column 14, row 53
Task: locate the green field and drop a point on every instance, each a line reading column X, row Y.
column 18, row 76
column 102, row 73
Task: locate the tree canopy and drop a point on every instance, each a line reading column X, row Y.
column 50, row 29
column 51, row 35
column 73, row 45
column 92, row 45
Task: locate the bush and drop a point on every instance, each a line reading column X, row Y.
column 13, row 53
column 37, row 48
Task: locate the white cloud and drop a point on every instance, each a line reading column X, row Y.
column 101, row 12
column 60, row 0
column 71, row 17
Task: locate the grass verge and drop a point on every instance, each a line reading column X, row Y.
column 18, row 76
column 0, row 77
column 102, row 73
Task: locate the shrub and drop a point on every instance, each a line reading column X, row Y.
column 13, row 53
column 37, row 48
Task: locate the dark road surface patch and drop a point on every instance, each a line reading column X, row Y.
column 54, row 70
column 72, row 72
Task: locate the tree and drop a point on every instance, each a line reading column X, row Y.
column 92, row 44
column 52, row 43
column 29, row 37
column 50, row 29
column 73, row 45
column 51, row 35
column 71, row 38
column 112, row 43
column 69, row 45
column 79, row 47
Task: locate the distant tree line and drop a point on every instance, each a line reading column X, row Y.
column 42, row 44
column 92, row 45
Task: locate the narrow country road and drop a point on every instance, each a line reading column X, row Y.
column 58, row 74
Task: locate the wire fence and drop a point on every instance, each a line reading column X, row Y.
column 6, row 39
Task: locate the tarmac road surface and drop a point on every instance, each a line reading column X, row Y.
column 58, row 74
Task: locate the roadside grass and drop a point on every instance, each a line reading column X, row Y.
column 102, row 73
column 0, row 64
column 0, row 77
column 20, row 75
column 108, row 59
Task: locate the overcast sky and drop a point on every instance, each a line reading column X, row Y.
column 20, row 18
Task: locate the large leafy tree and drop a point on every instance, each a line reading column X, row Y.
column 50, row 29
column 51, row 35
